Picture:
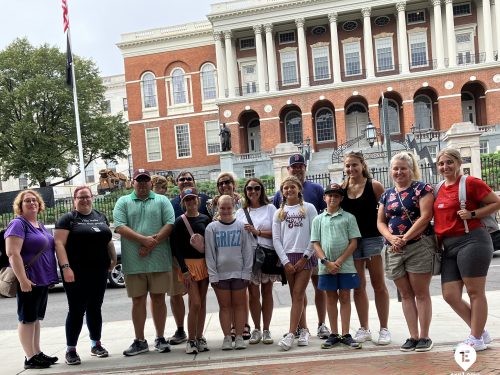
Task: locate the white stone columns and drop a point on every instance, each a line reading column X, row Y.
column 402, row 38
column 221, row 66
column 337, row 77
column 438, row 33
column 368, row 42
column 488, row 32
column 450, row 34
column 232, row 74
column 303, row 62
column 497, row 23
column 272, row 68
column 261, row 74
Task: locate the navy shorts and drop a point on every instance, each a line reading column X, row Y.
column 31, row 306
column 338, row 281
column 231, row 284
column 368, row 247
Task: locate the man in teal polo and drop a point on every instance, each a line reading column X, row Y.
column 145, row 220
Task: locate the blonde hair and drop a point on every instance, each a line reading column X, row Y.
column 296, row 181
column 159, row 181
column 409, row 158
column 224, row 198
column 452, row 153
column 17, row 206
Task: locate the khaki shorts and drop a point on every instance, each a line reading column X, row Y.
column 140, row 284
column 415, row 258
column 176, row 286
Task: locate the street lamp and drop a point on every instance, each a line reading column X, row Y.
column 371, row 133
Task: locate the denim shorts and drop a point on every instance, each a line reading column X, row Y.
column 31, row 306
column 338, row 281
column 368, row 247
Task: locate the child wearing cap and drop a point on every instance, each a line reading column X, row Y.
column 334, row 236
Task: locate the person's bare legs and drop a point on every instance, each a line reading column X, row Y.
column 345, row 309
column 26, row 333
column 298, row 284
column 194, row 310
column 267, row 304
column 225, row 309
column 139, row 315
column 409, row 305
column 319, row 300
column 255, row 305
column 420, row 283
column 360, row 297
column 376, row 270
column 332, row 309
column 239, row 302
column 202, row 314
column 159, row 312
column 36, row 338
column 178, row 309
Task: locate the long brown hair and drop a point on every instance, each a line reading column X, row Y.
column 263, row 199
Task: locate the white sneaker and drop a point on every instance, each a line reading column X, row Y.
column 363, row 335
column 239, row 343
column 227, row 344
column 384, row 337
column 477, row 344
column 287, row 341
column 255, row 337
column 323, row 331
column 191, row 347
column 486, row 337
column 266, row 337
column 304, row 337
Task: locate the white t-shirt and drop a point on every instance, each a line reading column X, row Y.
column 293, row 235
column 262, row 219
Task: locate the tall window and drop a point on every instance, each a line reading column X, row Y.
column 149, row 90
column 324, row 125
column 418, row 49
column 392, row 116
column 212, row 137
column 89, row 174
column 321, row 63
column 422, row 106
column 23, row 182
column 289, row 72
column 483, row 147
column 208, row 82
column 287, row 37
column 182, row 141
column 178, row 86
column 153, row 146
column 293, row 127
column 352, row 59
column 384, row 54
column 125, row 104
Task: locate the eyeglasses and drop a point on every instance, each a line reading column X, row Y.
column 188, row 179
column 253, row 188
column 225, row 182
column 30, row 200
column 84, row 197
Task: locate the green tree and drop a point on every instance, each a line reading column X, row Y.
column 37, row 121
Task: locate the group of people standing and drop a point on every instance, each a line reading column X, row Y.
column 242, row 244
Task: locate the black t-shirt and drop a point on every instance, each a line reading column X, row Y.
column 88, row 238
column 179, row 239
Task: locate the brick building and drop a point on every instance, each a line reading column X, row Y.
column 280, row 71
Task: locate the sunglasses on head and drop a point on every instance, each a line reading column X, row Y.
column 253, row 188
column 189, row 179
column 225, row 182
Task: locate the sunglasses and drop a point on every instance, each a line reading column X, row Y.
column 225, row 182
column 188, row 179
column 253, row 188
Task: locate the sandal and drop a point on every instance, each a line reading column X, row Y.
column 233, row 333
column 246, row 332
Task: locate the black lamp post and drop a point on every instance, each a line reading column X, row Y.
column 371, row 133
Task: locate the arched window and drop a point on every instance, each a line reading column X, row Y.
column 178, row 86
column 422, row 107
column 149, row 90
column 293, row 127
column 208, row 83
column 324, row 125
column 392, row 117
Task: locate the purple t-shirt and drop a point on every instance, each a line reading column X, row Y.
column 43, row 272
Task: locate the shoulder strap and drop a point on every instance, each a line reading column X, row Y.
column 437, row 187
column 188, row 226
column 249, row 219
column 462, row 191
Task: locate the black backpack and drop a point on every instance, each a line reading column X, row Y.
column 4, row 259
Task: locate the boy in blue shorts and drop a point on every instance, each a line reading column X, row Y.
column 334, row 237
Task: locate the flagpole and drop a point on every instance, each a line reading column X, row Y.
column 77, row 113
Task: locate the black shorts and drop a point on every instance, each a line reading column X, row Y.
column 31, row 306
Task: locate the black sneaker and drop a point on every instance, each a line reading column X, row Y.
column 424, row 345
column 36, row 362
column 47, row 358
column 162, row 345
column 178, row 338
column 347, row 340
column 137, row 347
column 72, row 358
column 332, row 340
column 99, row 351
column 409, row 345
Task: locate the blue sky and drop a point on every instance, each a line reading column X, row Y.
column 96, row 25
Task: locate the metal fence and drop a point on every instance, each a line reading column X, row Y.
column 490, row 171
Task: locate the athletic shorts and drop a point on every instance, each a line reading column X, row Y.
column 338, row 281
column 416, row 257
column 31, row 306
column 231, row 284
column 468, row 255
column 368, row 247
column 140, row 284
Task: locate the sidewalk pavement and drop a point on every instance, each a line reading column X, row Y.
column 446, row 331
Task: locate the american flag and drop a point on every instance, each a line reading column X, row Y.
column 65, row 15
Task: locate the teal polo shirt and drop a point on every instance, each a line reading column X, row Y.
column 146, row 217
column 333, row 232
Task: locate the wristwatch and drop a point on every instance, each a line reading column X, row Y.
column 324, row 260
column 473, row 214
column 65, row 265
column 306, row 256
